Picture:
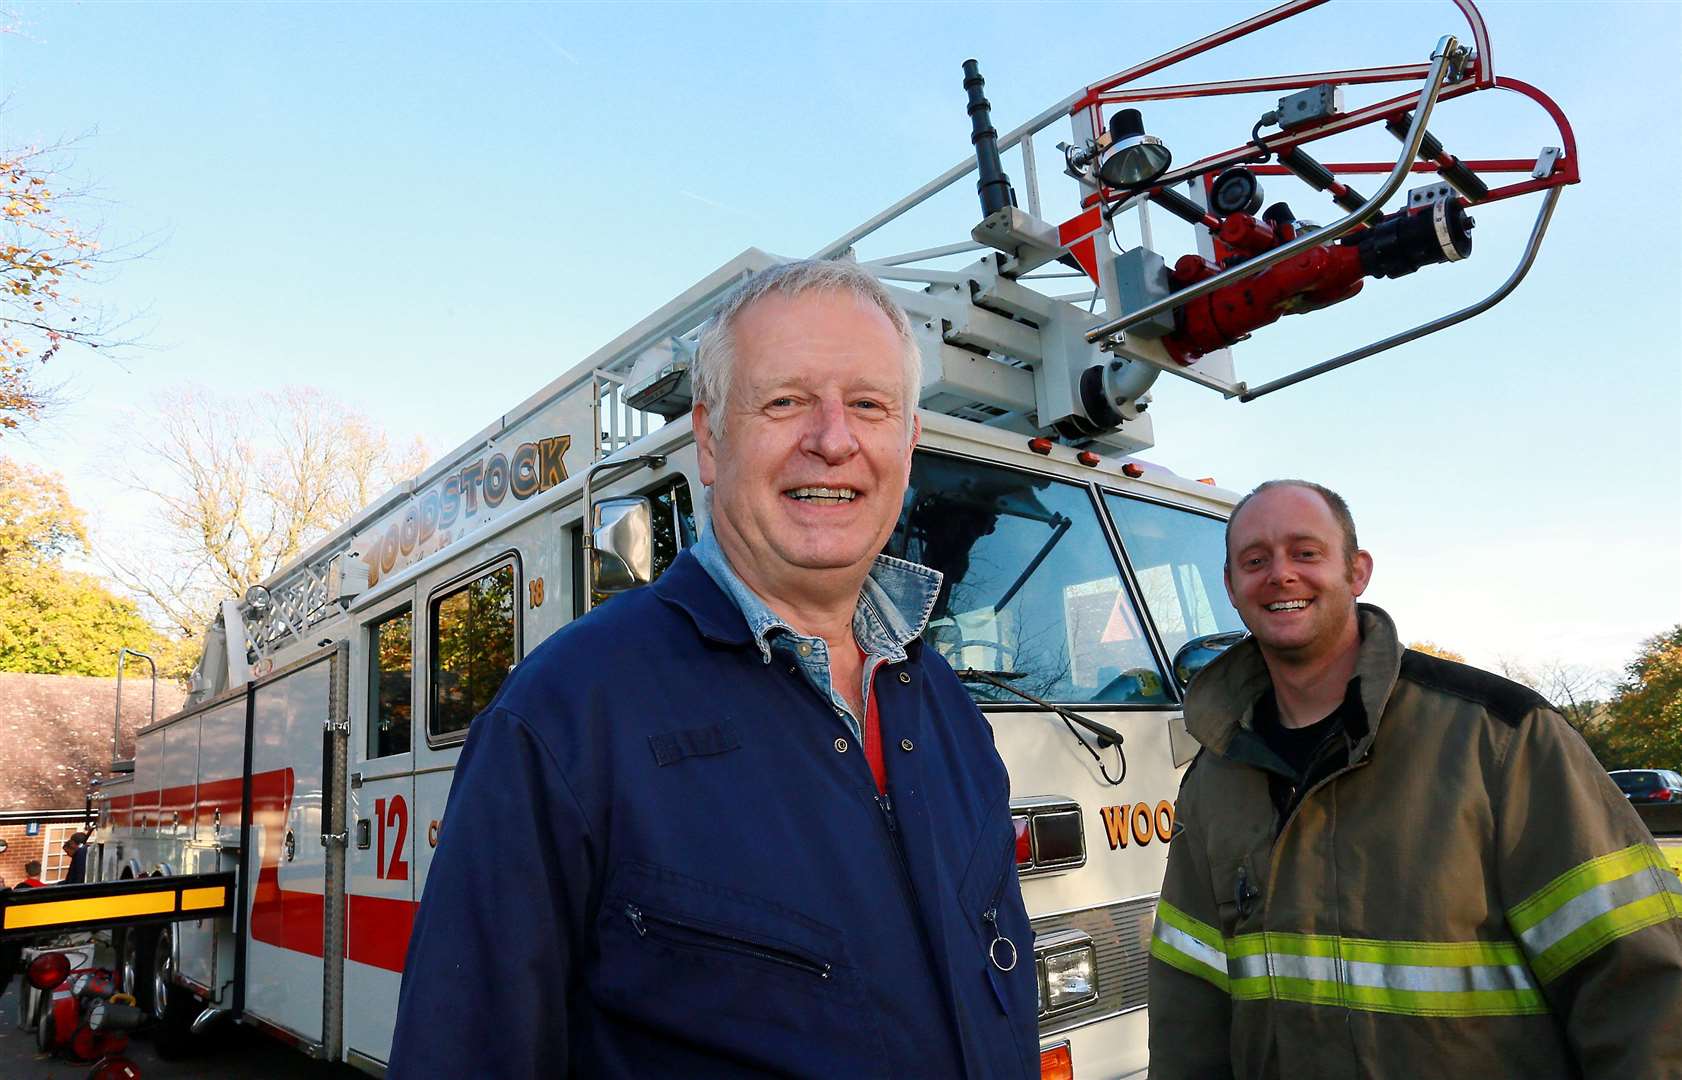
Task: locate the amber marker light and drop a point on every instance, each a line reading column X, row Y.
column 1056, row 1063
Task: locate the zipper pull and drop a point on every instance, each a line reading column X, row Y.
column 1244, row 894
column 632, row 913
column 887, row 806
column 1003, row 960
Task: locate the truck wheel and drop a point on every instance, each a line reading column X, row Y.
column 135, row 958
column 173, row 1007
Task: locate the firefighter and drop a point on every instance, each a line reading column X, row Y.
column 1392, row 865
column 755, row 827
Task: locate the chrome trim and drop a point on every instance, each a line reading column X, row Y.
column 373, row 1066
column 1090, row 1020
column 1059, row 943
column 1041, row 805
column 1096, row 907
column 1120, row 937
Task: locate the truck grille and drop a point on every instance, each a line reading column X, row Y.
column 1121, row 934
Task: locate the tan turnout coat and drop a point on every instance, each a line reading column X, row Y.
column 1468, row 896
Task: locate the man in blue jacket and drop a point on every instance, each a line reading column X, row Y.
column 741, row 821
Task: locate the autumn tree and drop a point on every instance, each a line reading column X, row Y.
column 1431, row 648
column 242, row 486
column 43, row 257
column 1647, row 707
column 55, row 620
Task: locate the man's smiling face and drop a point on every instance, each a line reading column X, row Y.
column 1289, row 576
column 810, row 471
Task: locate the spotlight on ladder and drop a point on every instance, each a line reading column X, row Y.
column 1134, row 158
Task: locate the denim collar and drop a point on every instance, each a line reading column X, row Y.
column 894, row 605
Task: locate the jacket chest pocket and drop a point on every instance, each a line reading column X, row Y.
column 687, row 933
column 736, row 976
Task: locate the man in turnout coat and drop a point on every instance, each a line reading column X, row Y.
column 1391, row 865
column 741, row 821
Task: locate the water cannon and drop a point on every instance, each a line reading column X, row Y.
column 1428, row 232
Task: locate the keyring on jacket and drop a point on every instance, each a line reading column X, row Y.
column 993, row 953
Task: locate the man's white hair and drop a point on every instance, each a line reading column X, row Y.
column 715, row 359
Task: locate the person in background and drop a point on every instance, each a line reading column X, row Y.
column 77, row 848
column 1389, row 865
column 31, row 876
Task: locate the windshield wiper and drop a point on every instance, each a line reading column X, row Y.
column 1059, row 526
column 1107, row 736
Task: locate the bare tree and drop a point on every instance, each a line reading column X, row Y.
column 243, row 486
column 47, row 258
column 1577, row 691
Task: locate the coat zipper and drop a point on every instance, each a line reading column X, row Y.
column 708, row 938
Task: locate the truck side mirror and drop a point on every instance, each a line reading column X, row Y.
column 622, row 532
column 1196, row 654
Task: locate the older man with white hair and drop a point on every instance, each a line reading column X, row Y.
column 758, row 828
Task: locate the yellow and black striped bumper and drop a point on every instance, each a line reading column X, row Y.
column 59, row 908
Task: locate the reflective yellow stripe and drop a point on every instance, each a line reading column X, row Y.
column 1594, row 904
column 54, row 912
column 1415, row 978
column 1193, row 947
column 198, row 899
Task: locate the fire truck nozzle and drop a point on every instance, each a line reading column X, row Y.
column 1392, row 247
column 993, row 185
column 1398, row 245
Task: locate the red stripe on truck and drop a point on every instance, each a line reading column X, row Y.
column 378, row 930
column 378, row 927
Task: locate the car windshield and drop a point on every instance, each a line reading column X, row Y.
column 1177, row 558
column 1032, row 591
column 1637, row 782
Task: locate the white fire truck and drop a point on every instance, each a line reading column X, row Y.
column 308, row 777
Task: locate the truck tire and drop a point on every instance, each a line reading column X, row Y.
column 174, row 1008
column 134, row 961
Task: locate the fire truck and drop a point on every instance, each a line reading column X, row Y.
column 262, row 852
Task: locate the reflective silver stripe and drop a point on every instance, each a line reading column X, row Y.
column 1317, row 968
column 1253, row 966
column 1593, row 903
column 1182, row 942
column 1433, row 978
column 1429, row 978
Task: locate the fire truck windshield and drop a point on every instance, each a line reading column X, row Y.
column 1177, row 556
column 1032, row 587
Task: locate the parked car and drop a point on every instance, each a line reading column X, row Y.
column 1656, row 795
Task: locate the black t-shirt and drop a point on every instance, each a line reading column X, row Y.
column 1300, row 746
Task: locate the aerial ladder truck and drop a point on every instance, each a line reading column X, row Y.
column 260, row 853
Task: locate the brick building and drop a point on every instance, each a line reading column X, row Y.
column 55, row 739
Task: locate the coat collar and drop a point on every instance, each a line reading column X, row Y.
column 1223, row 696
column 893, row 607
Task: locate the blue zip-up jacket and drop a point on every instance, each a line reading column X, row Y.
column 663, row 856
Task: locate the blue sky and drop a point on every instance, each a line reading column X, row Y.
column 431, row 210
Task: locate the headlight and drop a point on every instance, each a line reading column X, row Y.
column 1068, row 970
